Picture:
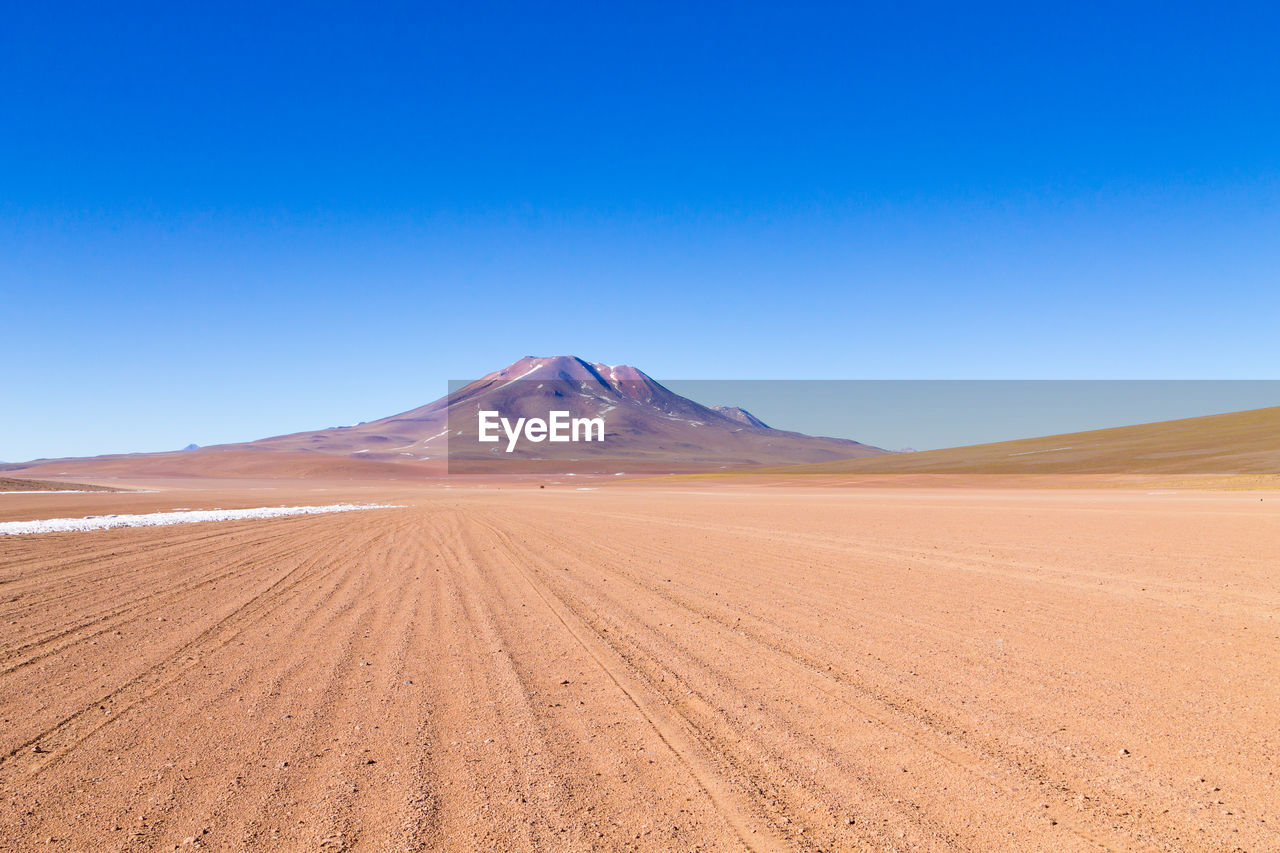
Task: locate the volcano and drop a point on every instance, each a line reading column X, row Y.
column 647, row 427
column 645, row 423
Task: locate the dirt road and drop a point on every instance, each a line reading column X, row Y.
column 629, row 668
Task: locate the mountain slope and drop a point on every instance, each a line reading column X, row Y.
column 741, row 415
column 1235, row 443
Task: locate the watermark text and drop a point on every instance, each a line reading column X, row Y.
column 559, row 426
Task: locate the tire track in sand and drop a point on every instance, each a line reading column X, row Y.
column 742, row 817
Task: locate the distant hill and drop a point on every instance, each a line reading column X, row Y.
column 8, row 484
column 1236, row 443
column 742, row 416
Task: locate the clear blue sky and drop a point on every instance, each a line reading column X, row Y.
column 223, row 221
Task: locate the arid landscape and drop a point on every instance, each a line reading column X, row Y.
column 567, row 427
column 645, row 666
column 1059, row 643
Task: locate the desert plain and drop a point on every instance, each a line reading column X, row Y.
column 655, row 665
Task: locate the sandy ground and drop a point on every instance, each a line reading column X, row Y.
column 647, row 668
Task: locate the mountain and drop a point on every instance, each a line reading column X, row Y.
column 1237, row 443
column 646, row 427
column 742, row 416
column 645, row 423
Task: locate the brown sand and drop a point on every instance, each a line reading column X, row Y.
column 640, row 668
column 8, row 484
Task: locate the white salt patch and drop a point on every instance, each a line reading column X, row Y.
column 50, row 492
column 158, row 519
column 434, row 437
column 522, row 376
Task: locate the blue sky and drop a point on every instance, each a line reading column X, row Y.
column 227, row 221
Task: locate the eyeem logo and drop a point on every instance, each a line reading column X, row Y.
column 558, row 426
